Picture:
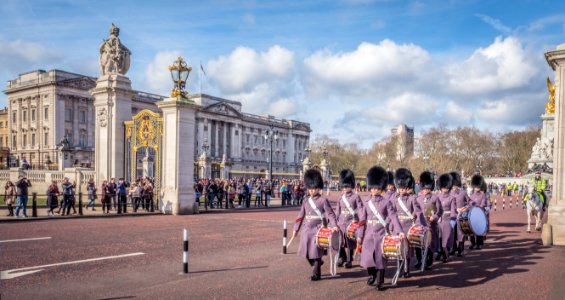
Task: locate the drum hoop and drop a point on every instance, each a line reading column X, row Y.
column 471, row 223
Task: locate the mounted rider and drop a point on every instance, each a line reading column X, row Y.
column 539, row 184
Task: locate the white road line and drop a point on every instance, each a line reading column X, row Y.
column 9, row 274
column 25, row 240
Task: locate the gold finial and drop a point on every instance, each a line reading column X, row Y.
column 550, row 107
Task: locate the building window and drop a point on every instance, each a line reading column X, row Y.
column 14, row 117
column 236, row 132
column 205, row 127
column 82, row 139
column 24, row 141
column 46, row 113
column 24, row 116
column 46, row 139
column 14, row 142
column 82, row 116
column 1, row 124
column 69, row 135
column 69, row 114
column 33, row 140
column 33, row 114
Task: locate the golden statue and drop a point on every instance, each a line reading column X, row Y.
column 550, row 107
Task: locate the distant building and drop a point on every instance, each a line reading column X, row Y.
column 404, row 136
column 4, row 138
column 46, row 106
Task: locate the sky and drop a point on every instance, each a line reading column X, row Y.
column 353, row 69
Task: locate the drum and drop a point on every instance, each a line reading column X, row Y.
column 352, row 230
column 419, row 236
column 326, row 238
column 394, row 247
column 473, row 221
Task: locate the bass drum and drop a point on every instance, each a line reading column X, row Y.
column 473, row 221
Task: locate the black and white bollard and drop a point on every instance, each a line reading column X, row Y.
column 185, row 252
column 503, row 202
column 495, row 204
column 284, row 237
column 510, row 203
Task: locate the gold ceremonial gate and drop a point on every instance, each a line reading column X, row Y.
column 143, row 135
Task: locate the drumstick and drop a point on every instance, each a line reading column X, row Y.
column 289, row 242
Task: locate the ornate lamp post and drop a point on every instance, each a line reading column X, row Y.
column 426, row 160
column 478, row 168
column 179, row 73
column 270, row 136
column 325, row 152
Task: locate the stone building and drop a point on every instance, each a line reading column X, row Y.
column 44, row 107
column 4, row 137
column 405, row 141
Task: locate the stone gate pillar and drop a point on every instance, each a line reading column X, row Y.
column 556, row 215
column 179, row 121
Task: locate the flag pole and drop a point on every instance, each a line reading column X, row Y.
column 200, row 77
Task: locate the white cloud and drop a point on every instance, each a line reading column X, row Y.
column 457, row 114
column 503, row 65
column 370, row 70
column 495, row 23
column 157, row 76
column 18, row 55
column 245, row 68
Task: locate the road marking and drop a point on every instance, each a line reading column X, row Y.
column 25, row 240
column 9, row 274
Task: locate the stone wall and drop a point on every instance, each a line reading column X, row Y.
column 40, row 179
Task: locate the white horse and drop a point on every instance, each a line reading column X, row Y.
column 534, row 208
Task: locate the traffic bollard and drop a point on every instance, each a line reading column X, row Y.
column 503, row 202
column 34, row 205
column 185, row 252
column 495, row 204
column 284, row 237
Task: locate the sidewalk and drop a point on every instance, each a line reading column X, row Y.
column 89, row 213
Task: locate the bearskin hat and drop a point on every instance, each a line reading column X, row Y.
column 313, row 179
column 427, row 180
column 403, row 178
column 390, row 177
column 477, row 181
column 412, row 182
column 456, row 179
column 445, row 181
column 377, row 177
column 346, row 179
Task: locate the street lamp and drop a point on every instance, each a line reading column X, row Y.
column 179, row 73
column 270, row 136
column 426, row 159
column 325, row 152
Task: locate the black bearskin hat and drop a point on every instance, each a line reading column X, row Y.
column 313, row 179
column 456, row 179
column 377, row 177
column 427, row 180
column 390, row 176
column 445, row 181
column 412, row 183
column 477, row 181
column 346, row 179
column 403, row 178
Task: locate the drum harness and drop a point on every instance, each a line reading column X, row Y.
column 333, row 260
column 399, row 264
column 408, row 214
column 348, row 206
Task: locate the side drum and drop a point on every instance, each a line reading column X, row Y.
column 394, row 247
column 352, row 230
column 419, row 236
column 326, row 238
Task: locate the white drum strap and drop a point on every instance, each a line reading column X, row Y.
column 315, row 208
column 403, row 206
column 344, row 200
column 376, row 213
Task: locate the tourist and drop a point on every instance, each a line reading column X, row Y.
column 212, row 191
column 91, row 190
column 148, row 195
column 136, row 192
column 121, row 188
column 258, row 194
column 9, row 197
column 268, row 192
column 111, row 191
column 22, row 186
column 105, row 197
column 52, row 201
column 68, row 195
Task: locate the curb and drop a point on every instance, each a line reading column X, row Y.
column 43, row 218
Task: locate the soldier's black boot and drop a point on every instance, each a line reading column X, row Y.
column 381, row 280
column 419, row 258
column 316, row 270
column 342, row 257
column 429, row 260
column 460, row 248
column 349, row 263
column 372, row 275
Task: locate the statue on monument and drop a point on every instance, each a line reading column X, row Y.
column 550, row 107
column 114, row 56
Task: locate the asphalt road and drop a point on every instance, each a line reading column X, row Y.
column 237, row 255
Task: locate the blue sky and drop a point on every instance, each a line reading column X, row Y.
column 352, row 68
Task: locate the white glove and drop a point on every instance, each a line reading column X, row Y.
column 452, row 222
column 487, row 209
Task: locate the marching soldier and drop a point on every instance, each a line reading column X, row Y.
column 479, row 199
column 311, row 216
column 449, row 215
column 407, row 208
column 461, row 200
column 373, row 226
column 390, row 187
column 431, row 206
column 347, row 211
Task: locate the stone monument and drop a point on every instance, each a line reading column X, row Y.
column 542, row 151
column 179, row 122
column 112, row 103
column 554, row 230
